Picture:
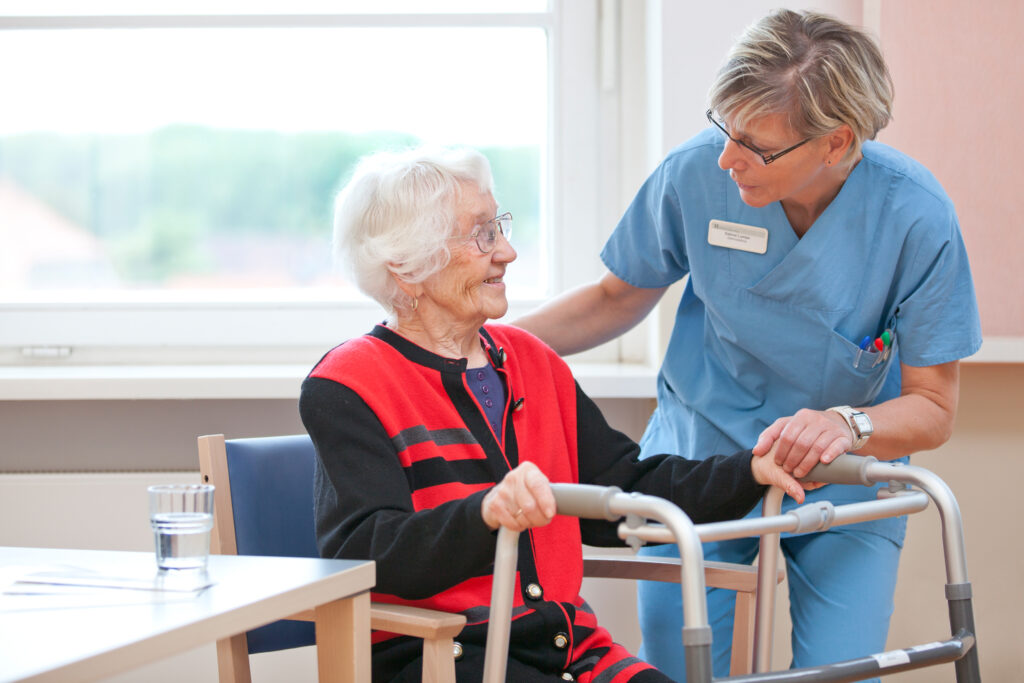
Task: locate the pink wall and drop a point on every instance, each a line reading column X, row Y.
column 959, row 109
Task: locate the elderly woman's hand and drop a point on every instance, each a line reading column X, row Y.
column 521, row 501
column 767, row 471
column 801, row 441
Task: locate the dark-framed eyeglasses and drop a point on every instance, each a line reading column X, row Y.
column 765, row 156
column 486, row 234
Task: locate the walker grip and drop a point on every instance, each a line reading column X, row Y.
column 846, row 469
column 585, row 500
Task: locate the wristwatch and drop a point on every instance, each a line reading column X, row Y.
column 859, row 424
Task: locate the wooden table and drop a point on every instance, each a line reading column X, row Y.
column 102, row 632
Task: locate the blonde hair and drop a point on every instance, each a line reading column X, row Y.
column 817, row 70
column 396, row 214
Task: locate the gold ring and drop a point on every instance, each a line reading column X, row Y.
column 518, row 512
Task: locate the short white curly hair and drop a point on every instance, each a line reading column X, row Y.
column 396, row 214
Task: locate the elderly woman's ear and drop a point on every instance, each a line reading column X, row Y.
column 411, row 290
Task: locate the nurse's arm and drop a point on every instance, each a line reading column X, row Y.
column 921, row 418
column 591, row 314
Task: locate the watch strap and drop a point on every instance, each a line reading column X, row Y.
column 847, row 413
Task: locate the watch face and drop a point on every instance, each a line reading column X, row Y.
column 863, row 423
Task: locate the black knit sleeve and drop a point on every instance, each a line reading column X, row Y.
column 363, row 505
column 718, row 488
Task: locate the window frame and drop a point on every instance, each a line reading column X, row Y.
column 243, row 328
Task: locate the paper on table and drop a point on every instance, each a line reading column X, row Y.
column 10, row 574
column 13, row 580
column 28, row 597
column 33, row 588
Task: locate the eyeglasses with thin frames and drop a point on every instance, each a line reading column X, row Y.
column 765, row 156
column 486, row 234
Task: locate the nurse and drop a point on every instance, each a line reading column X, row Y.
column 829, row 301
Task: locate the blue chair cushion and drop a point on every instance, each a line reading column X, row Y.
column 272, row 497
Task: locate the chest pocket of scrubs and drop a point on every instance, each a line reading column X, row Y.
column 855, row 383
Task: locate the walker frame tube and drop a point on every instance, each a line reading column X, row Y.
column 611, row 504
column 696, row 629
column 506, row 558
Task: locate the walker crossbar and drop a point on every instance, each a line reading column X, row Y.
column 907, row 502
column 595, row 502
column 858, row 669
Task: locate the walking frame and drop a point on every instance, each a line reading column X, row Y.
column 634, row 510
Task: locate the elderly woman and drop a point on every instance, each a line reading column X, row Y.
column 828, row 303
column 434, row 429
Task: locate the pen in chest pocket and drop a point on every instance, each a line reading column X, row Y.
column 879, row 348
column 886, row 346
column 865, row 344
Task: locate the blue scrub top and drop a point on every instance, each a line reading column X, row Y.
column 760, row 336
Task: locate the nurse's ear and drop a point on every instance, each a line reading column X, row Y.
column 837, row 143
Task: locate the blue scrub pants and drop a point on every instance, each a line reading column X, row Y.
column 841, row 585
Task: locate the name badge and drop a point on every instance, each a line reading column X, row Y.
column 738, row 236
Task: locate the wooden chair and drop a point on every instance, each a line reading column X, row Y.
column 264, row 506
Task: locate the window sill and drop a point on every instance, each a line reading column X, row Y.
column 999, row 350
column 156, row 382
column 282, row 381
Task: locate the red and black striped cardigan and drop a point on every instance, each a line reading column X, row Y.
column 405, row 456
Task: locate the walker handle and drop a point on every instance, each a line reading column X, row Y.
column 585, row 500
column 846, row 469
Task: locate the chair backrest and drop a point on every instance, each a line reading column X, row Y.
column 263, row 506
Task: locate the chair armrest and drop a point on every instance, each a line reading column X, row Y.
column 737, row 577
column 409, row 621
column 415, row 621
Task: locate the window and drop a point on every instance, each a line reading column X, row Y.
column 166, row 179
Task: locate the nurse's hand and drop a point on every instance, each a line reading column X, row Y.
column 522, row 500
column 803, row 440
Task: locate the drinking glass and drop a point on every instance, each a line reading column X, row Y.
column 181, row 516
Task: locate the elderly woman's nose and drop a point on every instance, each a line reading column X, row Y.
column 503, row 250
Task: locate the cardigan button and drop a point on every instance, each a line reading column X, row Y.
column 561, row 641
column 534, row 591
column 566, row 676
column 457, row 650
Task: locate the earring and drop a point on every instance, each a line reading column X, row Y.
column 415, row 303
column 828, row 163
